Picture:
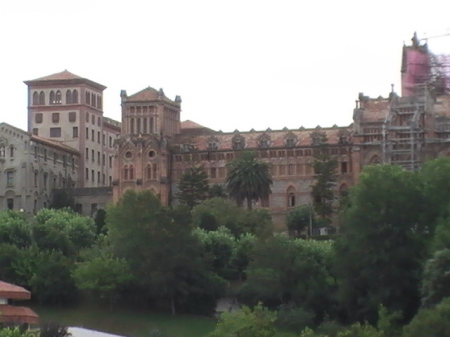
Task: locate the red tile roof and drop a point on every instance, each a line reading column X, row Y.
column 63, row 75
column 191, row 125
column 149, row 94
column 11, row 291
column 12, row 314
column 54, row 143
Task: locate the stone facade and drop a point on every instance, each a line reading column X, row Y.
column 31, row 166
column 68, row 108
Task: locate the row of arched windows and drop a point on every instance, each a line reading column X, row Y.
column 93, row 100
column 151, row 172
column 55, row 97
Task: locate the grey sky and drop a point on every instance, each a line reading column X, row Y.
column 236, row 64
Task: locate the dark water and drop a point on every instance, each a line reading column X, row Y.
column 127, row 321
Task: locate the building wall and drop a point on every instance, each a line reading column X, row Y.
column 31, row 168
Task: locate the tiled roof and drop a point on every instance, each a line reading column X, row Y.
column 63, row 75
column 12, row 314
column 148, row 94
column 191, row 125
column 11, row 291
column 54, row 143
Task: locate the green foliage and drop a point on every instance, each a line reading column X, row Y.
column 53, row 329
column 13, row 332
column 325, row 170
column 381, row 246
column 299, row 219
column 294, row 318
column 246, row 322
column 248, row 179
column 217, row 212
column 435, row 177
column 62, row 230
column 217, row 191
column 441, row 237
column 164, row 257
column 62, row 199
column 436, row 278
column 50, row 280
column 430, row 322
column 100, row 219
column 15, row 229
column 277, row 274
column 104, row 275
column 193, row 187
column 220, row 245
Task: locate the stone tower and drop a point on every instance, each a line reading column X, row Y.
column 143, row 162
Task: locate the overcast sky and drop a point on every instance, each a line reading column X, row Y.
column 236, row 64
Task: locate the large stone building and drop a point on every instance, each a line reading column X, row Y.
column 32, row 167
column 155, row 148
column 152, row 148
column 68, row 108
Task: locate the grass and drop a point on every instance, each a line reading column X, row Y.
column 127, row 322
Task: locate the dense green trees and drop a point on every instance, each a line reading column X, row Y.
column 325, row 176
column 193, row 187
column 248, row 179
column 381, row 246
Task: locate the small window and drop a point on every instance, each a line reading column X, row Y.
column 344, row 167
column 9, row 178
column 110, row 142
column 99, row 121
column 55, row 132
column 93, row 155
column 87, row 174
column 93, row 119
column 35, row 98
column 75, row 96
column 151, row 154
column 93, row 135
column 98, row 137
column 87, row 153
column 35, row 131
column 10, row 203
column 68, row 97
column 38, row 118
column 92, row 175
column 88, row 98
column 87, row 117
column 58, row 97
column 75, row 132
column 41, row 98
column 11, row 151
column 128, row 154
column 110, row 161
column 55, row 117
column 72, row 116
column 87, row 133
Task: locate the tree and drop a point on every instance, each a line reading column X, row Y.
column 164, row 257
column 248, row 179
column 193, row 187
column 105, row 275
column 436, row 278
column 62, row 199
column 246, row 322
column 100, row 218
column 286, row 271
column 217, row 191
column 15, row 229
column 325, row 167
column 382, row 244
column 299, row 218
column 430, row 322
column 62, row 230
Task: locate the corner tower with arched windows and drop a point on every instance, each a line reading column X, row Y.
column 143, row 159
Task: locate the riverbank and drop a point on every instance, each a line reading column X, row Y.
column 127, row 322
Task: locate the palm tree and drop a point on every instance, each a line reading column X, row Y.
column 248, row 179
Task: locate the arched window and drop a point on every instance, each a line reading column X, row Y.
column 35, row 98
column 375, row 160
column 68, row 97
column 52, row 97
column 291, row 200
column 58, row 97
column 125, row 172
column 75, row 96
column 155, row 171
column 131, row 172
column 41, row 98
column 149, row 172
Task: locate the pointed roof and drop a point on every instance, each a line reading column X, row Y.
column 63, row 75
column 66, row 77
column 147, row 95
column 187, row 124
column 11, row 291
